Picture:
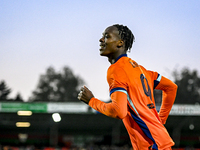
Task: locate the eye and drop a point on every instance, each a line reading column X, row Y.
column 106, row 36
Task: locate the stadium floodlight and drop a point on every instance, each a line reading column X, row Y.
column 24, row 113
column 23, row 124
column 56, row 117
column 191, row 127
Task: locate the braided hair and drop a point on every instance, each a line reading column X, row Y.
column 126, row 35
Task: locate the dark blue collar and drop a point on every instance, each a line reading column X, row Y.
column 123, row 55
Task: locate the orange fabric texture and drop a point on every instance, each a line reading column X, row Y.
column 131, row 90
column 116, row 109
column 169, row 94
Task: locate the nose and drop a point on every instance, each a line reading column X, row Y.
column 101, row 39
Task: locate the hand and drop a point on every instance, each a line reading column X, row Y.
column 85, row 95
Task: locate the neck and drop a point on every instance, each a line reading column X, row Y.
column 113, row 60
column 112, row 57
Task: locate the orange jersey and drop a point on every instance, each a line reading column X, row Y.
column 131, row 91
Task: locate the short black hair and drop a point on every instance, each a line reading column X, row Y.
column 126, row 35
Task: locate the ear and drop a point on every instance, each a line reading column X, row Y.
column 120, row 43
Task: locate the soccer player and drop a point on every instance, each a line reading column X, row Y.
column 131, row 90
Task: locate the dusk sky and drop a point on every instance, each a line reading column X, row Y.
column 36, row 34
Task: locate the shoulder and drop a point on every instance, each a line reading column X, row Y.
column 116, row 71
column 118, row 67
column 149, row 72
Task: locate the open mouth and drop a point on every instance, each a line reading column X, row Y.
column 102, row 46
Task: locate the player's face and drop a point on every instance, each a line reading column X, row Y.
column 109, row 42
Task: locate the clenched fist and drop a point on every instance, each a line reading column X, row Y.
column 85, row 95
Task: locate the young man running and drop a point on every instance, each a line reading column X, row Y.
column 131, row 90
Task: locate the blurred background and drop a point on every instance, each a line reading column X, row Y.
column 49, row 49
